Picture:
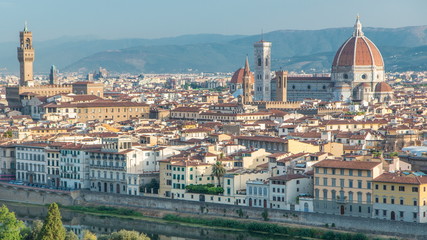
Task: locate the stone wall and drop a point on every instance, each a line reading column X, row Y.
column 359, row 224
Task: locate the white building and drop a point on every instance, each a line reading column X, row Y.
column 31, row 163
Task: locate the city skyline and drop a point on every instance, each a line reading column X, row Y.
column 113, row 20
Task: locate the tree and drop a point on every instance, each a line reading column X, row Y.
column 10, row 227
column 35, row 230
column 218, row 171
column 71, row 236
column 88, row 235
column 52, row 228
column 128, row 235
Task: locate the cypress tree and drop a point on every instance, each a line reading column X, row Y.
column 52, row 227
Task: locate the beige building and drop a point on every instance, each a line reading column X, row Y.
column 345, row 187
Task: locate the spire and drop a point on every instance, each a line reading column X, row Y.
column 25, row 27
column 247, row 64
column 357, row 28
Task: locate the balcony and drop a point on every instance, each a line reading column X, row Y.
column 342, row 199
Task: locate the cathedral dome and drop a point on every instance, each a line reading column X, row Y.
column 358, row 50
column 383, row 87
column 238, row 75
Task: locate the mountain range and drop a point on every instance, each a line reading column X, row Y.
column 293, row 50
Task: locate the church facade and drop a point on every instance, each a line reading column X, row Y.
column 357, row 74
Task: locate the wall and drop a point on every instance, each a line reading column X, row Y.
column 377, row 226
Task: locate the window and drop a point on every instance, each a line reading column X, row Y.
column 368, row 185
column 333, row 171
column 359, row 184
column 401, row 214
column 316, row 181
column 384, row 200
column 415, row 202
column 414, row 189
column 334, row 182
column 359, row 197
column 392, row 200
column 359, row 173
column 325, row 171
column 350, row 183
column 384, row 213
column 350, row 172
column 325, row 181
column 392, row 188
column 401, row 201
column 342, row 171
column 384, row 187
column 401, row 188
column 342, row 183
column 377, row 212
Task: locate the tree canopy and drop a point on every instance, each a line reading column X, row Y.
column 218, row 171
column 10, row 227
column 52, row 227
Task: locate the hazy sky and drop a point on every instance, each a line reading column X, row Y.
column 113, row 19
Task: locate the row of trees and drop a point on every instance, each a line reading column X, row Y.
column 52, row 229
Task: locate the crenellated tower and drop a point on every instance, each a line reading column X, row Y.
column 26, row 57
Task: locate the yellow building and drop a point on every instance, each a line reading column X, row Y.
column 400, row 196
column 344, row 187
column 175, row 175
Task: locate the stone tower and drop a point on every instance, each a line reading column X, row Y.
column 248, row 84
column 262, row 54
column 26, row 57
column 53, row 75
column 281, row 86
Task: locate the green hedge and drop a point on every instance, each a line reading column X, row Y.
column 105, row 210
column 204, row 189
column 268, row 228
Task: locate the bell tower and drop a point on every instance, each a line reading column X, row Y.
column 26, row 57
column 248, row 84
column 281, row 86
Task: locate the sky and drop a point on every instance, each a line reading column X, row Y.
column 116, row 19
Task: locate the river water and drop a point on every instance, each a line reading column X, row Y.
column 155, row 230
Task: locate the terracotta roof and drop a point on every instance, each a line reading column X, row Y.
column 401, row 178
column 362, row 165
column 287, row 177
column 358, row 50
column 383, row 87
column 263, row 138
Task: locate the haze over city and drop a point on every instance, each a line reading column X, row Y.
column 110, row 19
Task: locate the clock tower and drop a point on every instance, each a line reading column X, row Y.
column 26, row 57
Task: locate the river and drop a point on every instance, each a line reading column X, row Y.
column 155, row 230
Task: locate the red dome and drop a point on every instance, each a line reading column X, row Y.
column 237, row 77
column 383, row 87
column 358, row 50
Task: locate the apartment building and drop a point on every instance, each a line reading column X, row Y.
column 345, row 187
column 31, row 162
column 400, row 196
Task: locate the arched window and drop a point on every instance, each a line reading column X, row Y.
column 266, row 62
column 259, row 61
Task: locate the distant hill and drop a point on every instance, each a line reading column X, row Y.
column 293, row 50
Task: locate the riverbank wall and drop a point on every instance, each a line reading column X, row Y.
column 367, row 225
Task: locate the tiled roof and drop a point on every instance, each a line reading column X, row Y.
column 362, row 165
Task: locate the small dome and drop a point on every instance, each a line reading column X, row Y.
column 383, row 87
column 358, row 50
column 237, row 77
